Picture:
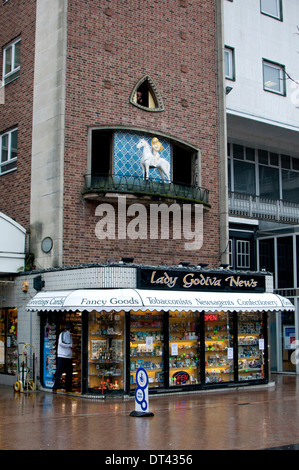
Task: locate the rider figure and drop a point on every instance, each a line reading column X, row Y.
column 156, row 148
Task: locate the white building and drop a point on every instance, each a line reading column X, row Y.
column 262, row 102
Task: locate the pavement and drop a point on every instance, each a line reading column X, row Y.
column 264, row 418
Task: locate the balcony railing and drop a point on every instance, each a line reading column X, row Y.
column 263, row 208
column 97, row 185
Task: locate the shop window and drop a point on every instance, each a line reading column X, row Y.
column 251, row 347
column 219, row 354
column 147, row 347
column 106, row 352
column 184, row 349
column 8, row 341
column 11, row 61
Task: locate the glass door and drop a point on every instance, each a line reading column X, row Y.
column 288, row 334
column 184, row 348
column 219, row 348
column 147, row 347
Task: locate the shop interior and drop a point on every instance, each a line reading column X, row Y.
column 179, row 349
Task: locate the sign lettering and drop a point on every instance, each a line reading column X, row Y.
column 212, row 281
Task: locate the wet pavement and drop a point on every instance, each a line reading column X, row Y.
column 244, row 419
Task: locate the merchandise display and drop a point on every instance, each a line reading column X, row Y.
column 219, row 363
column 105, row 352
column 147, row 347
column 184, row 349
column 75, row 319
column 250, row 347
column 8, row 340
column 178, row 349
column 49, row 352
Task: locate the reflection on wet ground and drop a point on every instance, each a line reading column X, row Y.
column 245, row 419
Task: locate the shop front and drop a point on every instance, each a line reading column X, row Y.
column 185, row 339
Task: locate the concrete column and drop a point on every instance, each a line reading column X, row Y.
column 48, row 131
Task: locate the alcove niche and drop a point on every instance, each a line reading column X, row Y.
column 146, row 96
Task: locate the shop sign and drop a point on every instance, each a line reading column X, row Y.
column 212, row 281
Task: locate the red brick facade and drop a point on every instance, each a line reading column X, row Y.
column 119, row 42
column 17, row 19
column 111, row 46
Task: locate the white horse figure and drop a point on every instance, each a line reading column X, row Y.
column 148, row 161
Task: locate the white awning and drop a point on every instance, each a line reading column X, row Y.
column 149, row 300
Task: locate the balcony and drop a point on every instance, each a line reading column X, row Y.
column 257, row 207
column 97, row 186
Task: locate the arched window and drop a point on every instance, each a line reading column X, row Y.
column 145, row 95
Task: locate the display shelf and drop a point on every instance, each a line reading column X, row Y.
column 250, row 348
column 218, row 350
column 147, row 347
column 184, row 349
column 105, row 355
column 75, row 319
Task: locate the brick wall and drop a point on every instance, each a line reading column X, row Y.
column 119, row 42
column 18, row 20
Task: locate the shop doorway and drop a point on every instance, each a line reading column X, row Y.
column 288, row 341
column 52, row 325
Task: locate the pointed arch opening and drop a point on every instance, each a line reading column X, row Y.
column 146, row 96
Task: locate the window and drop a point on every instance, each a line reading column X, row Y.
column 146, row 96
column 115, row 152
column 263, row 173
column 244, row 177
column 243, row 254
column 8, row 340
column 290, row 186
column 274, row 77
column 11, row 61
column 269, row 182
column 8, row 151
column 285, row 260
column 229, row 63
column 230, row 252
column 266, row 255
column 272, row 8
